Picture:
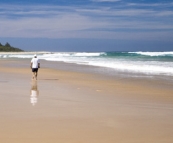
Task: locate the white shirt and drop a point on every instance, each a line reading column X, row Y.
column 35, row 62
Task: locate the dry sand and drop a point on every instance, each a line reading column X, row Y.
column 75, row 107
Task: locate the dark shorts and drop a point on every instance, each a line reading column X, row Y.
column 34, row 69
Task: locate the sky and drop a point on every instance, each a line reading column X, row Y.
column 87, row 25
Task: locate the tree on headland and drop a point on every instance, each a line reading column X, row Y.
column 7, row 45
column 8, row 48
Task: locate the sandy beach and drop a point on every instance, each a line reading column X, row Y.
column 78, row 107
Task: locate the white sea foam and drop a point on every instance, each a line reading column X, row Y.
column 138, row 67
column 96, row 59
column 88, row 54
column 20, row 56
column 154, row 53
column 71, row 54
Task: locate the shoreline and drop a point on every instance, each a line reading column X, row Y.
column 122, row 64
column 74, row 106
column 155, row 87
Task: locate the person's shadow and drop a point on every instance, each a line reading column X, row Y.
column 34, row 92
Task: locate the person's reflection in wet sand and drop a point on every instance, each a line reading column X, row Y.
column 34, row 92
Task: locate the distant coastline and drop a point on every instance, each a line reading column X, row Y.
column 8, row 48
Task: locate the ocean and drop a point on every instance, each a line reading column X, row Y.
column 147, row 63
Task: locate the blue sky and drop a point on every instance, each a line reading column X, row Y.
column 87, row 25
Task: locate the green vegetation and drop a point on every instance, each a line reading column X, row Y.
column 8, row 48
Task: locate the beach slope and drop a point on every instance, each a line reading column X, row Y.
column 77, row 107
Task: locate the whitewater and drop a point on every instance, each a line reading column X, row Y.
column 150, row 63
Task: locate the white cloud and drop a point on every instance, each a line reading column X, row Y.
column 165, row 13
column 47, row 27
column 78, row 22
column 165, row 4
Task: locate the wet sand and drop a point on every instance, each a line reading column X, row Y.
column 76, row 107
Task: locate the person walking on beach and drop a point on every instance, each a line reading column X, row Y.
column 35, row 64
